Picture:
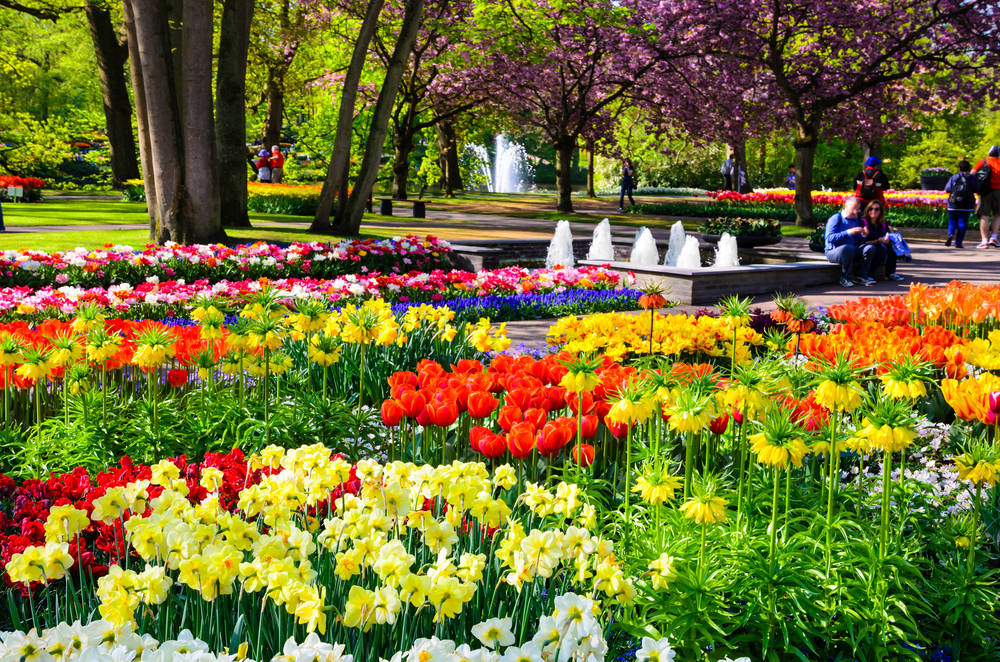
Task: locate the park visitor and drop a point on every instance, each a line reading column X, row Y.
column 277, row 165
column 790, row 180
column 842, row 235
column 872, row 182
column 727, row 171
column 263, row 167
column 877, row 241
column 628, row 182
column 742, row 181
column 989, row 198
column 961, row 188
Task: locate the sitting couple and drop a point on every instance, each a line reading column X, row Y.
column 860, row 244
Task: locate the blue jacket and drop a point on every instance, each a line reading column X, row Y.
column 836, row 231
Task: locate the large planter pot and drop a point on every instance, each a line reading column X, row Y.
column 745, row 240
column 934, row 182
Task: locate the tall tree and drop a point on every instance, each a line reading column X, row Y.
column 557, row 66
column 821, row 56
column 112, row 54
column 354, row 211
column 335, row 186
column 171, row 47
column 230, row 116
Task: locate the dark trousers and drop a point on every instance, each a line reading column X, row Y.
column 727, row 182
column 884, row 255
column 957, row 222
column 844, row 256
column 626, row 190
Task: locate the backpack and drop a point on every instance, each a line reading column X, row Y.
column 868, row 190
column 984, row 175
column 961, row 197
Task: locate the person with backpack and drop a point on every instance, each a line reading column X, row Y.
column 727, row 171
column 961, row 189
column 627, row 184
column 872, row 182
column 988, row 173
column 263, row 167
column 277, row 165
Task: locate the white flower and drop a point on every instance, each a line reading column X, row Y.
column 575, row 617
column 431, row 650
column 312, row 649
column 530, row 652
column 494, row 632
column 655, row 650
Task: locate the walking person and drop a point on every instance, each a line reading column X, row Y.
column 277, row 165
column 792, row 178
column 628, row 183
column 961, row 188
column 843, row 233
column 263, row 167
column 871, row 182
column 728, row 170
column 988, row 171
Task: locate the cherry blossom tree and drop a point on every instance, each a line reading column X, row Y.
column 822, row 57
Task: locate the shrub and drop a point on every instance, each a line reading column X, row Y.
column 32, row 187
column 283, row 199
column 753, row 227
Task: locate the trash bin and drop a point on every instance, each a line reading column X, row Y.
column 419, row 209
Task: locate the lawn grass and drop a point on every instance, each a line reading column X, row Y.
column 53, row 211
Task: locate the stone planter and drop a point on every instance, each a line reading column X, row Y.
column 745, row 240
column 934, row 182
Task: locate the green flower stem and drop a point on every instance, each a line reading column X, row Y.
column 688, row 461
column 830, row 488
column 788, row 492
column 886, row 489
column 975, row 529
column 628, row 485
column 774, row 518
column 361, row 379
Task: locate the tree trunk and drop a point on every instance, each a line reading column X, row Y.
column 402, row 148
column 111, row 57
column 450, row 170
column 565, row 147
column 871, row 147
column 151, row 26
column 805, row 153
column 142, row 122
column 355, row 209
column 762, row 160
column 591, row 193
column 337, row 172
column 275, row 104
column 201, row 222
column 230, row 115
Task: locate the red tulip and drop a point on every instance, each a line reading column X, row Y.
column 536, row 417
column 476, row 435
column 738, row 416
column 521, row 397
column 619, row 430
column 442, row 410
column 481, row 404
column 467, row 367
column 521, row 440
column 493, row 445
column 424, row 418
column 509, row 415
column 412, row 403
column 177, row 378
column 719, row 424
column 401, row 381
column 553, row 437
column 586, row 452
column 588, row 425
column 555, row 398
column 995, row 402
column 392, row 413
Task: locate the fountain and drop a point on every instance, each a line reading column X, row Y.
column 561, row 247
column 508, row 167
column 677, row 236
column 600, row 247
column 690, row 256
column 727, row 252
column 481, row 159
column 644, row 249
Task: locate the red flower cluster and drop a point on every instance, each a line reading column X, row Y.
column 24, row 507
column 22, row 182
column 520, row 396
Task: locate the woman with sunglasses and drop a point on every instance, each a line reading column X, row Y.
column 876, row 235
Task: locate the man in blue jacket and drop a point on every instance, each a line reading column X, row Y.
column 844, row 232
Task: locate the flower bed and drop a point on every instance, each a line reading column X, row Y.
column 289, row 199
column 32, row 187
column 386, row 481
column 115, row 265
column 906, row 208
column 509, row 289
